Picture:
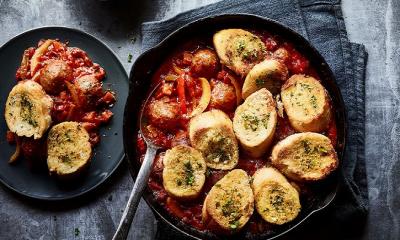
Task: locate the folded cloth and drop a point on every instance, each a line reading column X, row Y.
column 321, row 22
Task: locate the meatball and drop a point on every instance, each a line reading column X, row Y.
column 164, row 113
column 53, row 76
column 204, row 63
column 89, row 91
column 281, row 54
column 223, row 96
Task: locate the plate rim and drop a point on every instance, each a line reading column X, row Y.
column 122, row 154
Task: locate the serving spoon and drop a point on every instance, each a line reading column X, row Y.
column 141, row 179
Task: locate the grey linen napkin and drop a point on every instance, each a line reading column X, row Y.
column 321, row 22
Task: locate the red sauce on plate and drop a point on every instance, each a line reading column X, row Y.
column 90, row 106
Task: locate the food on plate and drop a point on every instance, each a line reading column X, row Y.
column 184, row 172
column 204, row 99
column 306, row 103
column 210, row 94
column 68, row 150
column 239, row 49
column 54, row 75
column 269, row 74
column 204, row 63
column 212, row 134
column 58, row 88
column 230, row 202
column 223, row 96
column 164, row 113
column 276, row 200
column 39, row 52
column 86, row 91
column 27, row 111
column 305, row 156
column 255, row 121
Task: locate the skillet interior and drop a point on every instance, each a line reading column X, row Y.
column 323, row 192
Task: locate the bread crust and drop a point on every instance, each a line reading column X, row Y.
column 269, row 74
column 255, row 122
column 276, row 200
column 305, row 157
column 68, row 150
column 239, row 49
column 184, row 172
column 27, row 110
column 212, row 134
column 230, row 202
column 306, row 104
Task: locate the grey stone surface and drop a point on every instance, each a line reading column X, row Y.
column 375, row 23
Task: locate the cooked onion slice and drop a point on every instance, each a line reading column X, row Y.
column 204, row 99
column 38, row 53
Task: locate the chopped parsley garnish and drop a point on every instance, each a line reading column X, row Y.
column 27, row 111
column 179, row 182
column 208, row 172
column 306, row 146
column 189, row 173
column 77, row 232
column 130, row 58
column 313, row 101
column 241, row 45
column 250, row 122
column 260, row 82
column 65, row 159
column 306, row 86
column 218, row 150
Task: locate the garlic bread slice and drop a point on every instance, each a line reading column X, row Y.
column 230, row 202
column 68, row 150
column 212, row 134
column 184, row 172
column 255, row 121
column 305, row 156
column 239, row 50
column 306, row 103
column 276, row 200
column 27, row 110
column 269, row 74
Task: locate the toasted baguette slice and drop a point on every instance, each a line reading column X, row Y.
column 269, row 74
column 239, row 50
column 212, row 134
column 27, row 111
column 68, row 150
column 306, row 103
column 230, row 202
column 255, row 121
column 184, row 172
column 276, row 200
column 305, row 156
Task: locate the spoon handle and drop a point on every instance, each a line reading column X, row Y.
column 134, row 198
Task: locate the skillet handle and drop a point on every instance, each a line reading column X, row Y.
column 134, row 198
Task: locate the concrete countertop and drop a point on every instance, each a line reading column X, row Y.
column 374, row 23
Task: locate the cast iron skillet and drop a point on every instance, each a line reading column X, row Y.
column 140, row 77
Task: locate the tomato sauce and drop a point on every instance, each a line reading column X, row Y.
column 169, row 78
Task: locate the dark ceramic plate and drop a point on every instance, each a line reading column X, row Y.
column 322, row 193
column 107, row 155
